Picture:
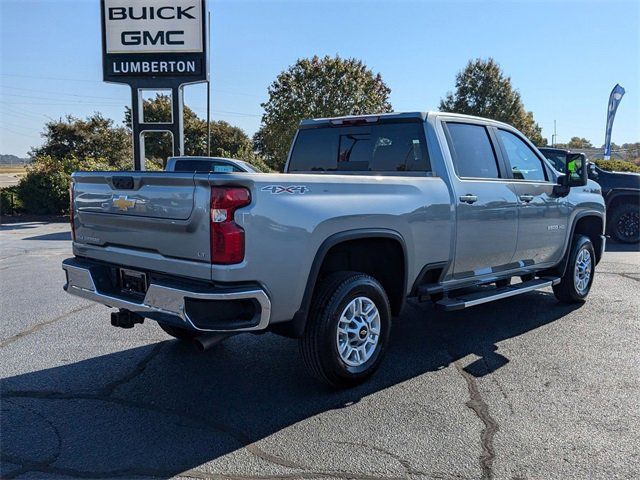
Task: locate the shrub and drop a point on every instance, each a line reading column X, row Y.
column 617, row 165
column 45, row 188
column 9, row 200
column 45, row 192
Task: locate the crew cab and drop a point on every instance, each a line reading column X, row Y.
column 370, row 210
column 621, row 192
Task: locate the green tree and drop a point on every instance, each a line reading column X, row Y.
column 94, row 138
column 577, row 142
column 312, row 88
column 631, row 150
column 482, row 89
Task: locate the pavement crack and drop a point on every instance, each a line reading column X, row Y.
column 108, row 389
column 628, row 275
column 105, row 396
column 481, row 409
column 128, row 473
column 41, row 325
column 406, row 465
column 53, row 427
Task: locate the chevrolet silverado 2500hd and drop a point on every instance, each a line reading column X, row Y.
column 370, row 210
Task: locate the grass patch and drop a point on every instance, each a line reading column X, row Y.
column 12, row 169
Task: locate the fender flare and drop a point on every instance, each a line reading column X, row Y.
column 295, row 327
column 626, row 192
column 562, row 266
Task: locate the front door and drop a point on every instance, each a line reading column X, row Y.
column 543, row 218
column 486, row 205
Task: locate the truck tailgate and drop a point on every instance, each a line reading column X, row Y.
column 158, row 214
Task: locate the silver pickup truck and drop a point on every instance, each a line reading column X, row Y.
column 371, row 210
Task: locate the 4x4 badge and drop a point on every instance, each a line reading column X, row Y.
column 292, row 189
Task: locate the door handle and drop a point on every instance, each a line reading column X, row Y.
column 526, row 198
column 468, row 199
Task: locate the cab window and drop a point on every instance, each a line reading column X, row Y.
column 472, row 152
column 525, row 164
column 385, row 147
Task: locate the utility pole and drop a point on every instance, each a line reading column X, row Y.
column 209, row 92
column 554, row 137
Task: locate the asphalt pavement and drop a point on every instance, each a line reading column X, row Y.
column 524, row 388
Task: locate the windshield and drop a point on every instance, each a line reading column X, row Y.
column 557, row 159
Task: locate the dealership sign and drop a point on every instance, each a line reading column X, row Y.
column 150, row 41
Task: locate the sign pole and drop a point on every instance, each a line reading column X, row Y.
column 138, row 153
column 208, row 92
column 178, row 120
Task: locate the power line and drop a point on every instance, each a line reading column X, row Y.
column 5, row 129
column 100, row 81
column 226, row 112
column 16, row 125
column 56, row 93
column 11, row 111
column 35, row 97
column 65, row 103
column 50, row 78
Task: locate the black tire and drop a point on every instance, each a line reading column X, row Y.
column 319, row 343
column 179, row 333
column 624, row 223
column 567, row 291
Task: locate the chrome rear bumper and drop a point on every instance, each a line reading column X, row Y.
column 163, row 299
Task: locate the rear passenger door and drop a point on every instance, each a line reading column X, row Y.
column 486, row 206
column 542, row 225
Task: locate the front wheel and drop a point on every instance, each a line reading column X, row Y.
column 625, row 223
column 347, row 330
column 578, row 276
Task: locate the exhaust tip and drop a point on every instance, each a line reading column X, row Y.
column 205, row 342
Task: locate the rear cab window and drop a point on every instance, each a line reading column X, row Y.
column 471, row 150
column 384, row 148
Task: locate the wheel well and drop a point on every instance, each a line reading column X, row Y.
column 621, row 199
column 382, row 258
column 591, row 226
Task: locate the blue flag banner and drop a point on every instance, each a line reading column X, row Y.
column 614, row 100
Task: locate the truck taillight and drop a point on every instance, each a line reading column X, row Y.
column 71, row 216
column 227, row 237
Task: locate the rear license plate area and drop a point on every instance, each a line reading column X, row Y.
column 133, row 282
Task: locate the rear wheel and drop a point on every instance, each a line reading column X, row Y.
column 625, row 223
column 347, row 330
column 578, row 277
column 179, row 333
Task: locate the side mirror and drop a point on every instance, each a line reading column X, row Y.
column 576, row 174
column 576, row 170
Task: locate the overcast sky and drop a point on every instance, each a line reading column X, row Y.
column 564, row 57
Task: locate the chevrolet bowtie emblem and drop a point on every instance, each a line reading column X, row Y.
column 123, row 203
